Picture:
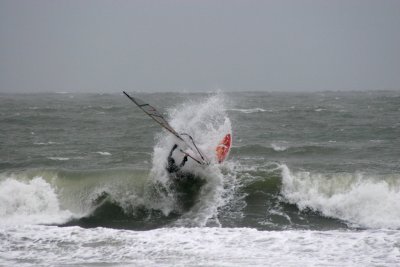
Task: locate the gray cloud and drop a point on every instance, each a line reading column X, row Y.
column 106, row 46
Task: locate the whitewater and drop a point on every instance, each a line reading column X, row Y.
column 313, row 179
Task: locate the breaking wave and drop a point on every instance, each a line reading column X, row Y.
column 27, row 202
column 359, row 199
column 263, row 197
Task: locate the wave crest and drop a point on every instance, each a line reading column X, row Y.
column 31, row 202
column 358, row 199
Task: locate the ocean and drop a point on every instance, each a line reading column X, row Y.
column 312, row 179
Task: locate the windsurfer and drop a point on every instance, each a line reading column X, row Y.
column 172, row 167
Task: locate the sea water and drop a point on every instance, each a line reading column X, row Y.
column 313, row 179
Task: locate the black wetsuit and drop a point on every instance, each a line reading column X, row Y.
column 172, row 167
column 185, row 184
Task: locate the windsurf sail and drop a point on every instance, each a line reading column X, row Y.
column 155, row 115
column 197, row 149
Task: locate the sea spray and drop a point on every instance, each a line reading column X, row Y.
column 207, row 122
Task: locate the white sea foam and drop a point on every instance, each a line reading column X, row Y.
column 30, row 202
column 49, row 245
column 359, row 199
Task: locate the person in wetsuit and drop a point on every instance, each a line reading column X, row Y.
column 184, row 184
column 172, row 167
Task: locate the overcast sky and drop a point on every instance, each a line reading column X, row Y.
column 107, row 46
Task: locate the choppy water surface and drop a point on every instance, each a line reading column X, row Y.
column 312, row 179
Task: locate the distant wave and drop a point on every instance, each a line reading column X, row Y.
column 284, row 148
column 105, row 153
column 279, row 146
column 248, row 111
column 58, row 158
column 103, row 108
column 46, row 143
